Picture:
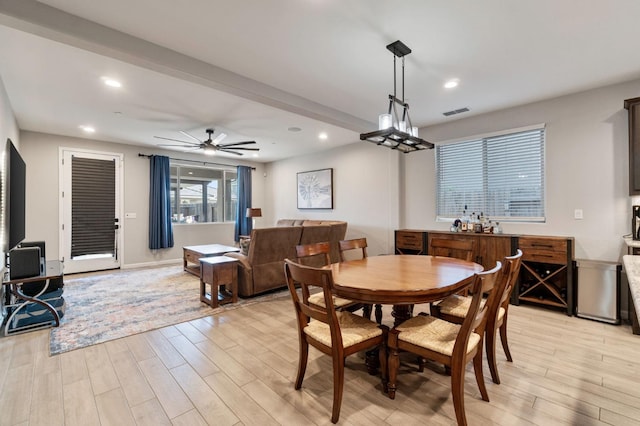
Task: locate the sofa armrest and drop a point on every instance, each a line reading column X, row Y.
column 242, row 258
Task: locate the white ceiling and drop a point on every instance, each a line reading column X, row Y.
column 254, row 68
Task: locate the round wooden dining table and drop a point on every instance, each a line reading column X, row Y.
column 402, row 280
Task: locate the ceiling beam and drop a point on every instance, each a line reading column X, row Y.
column 40, row 19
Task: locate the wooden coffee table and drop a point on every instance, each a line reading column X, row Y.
column 192, row 255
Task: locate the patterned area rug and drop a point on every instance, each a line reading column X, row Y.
column 107, row 306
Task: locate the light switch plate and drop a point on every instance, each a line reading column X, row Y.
column 130, row 215
column 577, row 214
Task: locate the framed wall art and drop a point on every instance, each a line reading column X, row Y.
column 315, row 189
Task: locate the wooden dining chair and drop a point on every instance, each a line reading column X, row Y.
column 460, row 249
column 315, row 254
column 318, row 255
column 453, row 345
column 361, row 245
column 454, row 309
column 354, row 244
column 335, row 333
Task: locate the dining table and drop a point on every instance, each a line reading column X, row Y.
column 402, row 281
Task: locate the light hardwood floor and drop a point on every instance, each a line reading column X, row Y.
column 238, row 368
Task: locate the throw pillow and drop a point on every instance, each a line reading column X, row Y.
column 244, row 245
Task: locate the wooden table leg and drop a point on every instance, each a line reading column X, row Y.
column 400, row 313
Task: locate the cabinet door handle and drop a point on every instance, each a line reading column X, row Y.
column 545, row 246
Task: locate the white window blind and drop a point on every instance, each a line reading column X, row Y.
column 500, row 176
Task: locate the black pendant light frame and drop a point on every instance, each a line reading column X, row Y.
column 392, row 137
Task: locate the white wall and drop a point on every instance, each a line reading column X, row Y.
column 366, row 191
column 40, row 152
column 8, row 125
column 586, row 168
column 8, row 130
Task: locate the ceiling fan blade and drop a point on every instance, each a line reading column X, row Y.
column 237, row 143
column 219, row 138
column 229, row 151
column 242, row 149
column 179, row 146
column 191, row 137
column 176, row 140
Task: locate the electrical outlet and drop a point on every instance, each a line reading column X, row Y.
column 577, row 214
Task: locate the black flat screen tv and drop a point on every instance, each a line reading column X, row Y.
column 15, row 199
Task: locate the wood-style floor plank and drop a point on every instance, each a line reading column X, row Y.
column 113, row 409
column 80, row 404
column 173, row 399
column 150, row 413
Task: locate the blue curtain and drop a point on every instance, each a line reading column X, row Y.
column 160, row 228
column 243, row 223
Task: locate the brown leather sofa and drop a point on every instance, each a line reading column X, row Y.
column 262, row 268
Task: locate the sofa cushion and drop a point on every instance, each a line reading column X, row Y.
column 289, row 222
column 273, row 244
column 311, row 235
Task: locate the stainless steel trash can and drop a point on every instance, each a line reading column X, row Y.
column 599, row 290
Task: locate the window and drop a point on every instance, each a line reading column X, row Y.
column 500, row 176
column 201, row 194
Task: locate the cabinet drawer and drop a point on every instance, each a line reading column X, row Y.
column 549, row 250
column 410, row 240
column 192, row 257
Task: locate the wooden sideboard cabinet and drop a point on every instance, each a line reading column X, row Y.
column 410, row 241
column 546, row 275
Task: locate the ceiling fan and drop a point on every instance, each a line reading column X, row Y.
column 210, row 146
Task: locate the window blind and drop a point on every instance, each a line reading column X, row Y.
column 92, row 207
column 500, row 176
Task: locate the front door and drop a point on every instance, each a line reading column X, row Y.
column 90, row 236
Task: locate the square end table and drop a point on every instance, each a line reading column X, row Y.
column 218, row 271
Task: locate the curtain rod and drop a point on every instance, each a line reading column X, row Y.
column 204, row 163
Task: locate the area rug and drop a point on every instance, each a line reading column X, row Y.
column 108, row 306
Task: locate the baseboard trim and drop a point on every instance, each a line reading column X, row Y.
column 151, row 264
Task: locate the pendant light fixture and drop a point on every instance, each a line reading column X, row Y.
column 394, row 130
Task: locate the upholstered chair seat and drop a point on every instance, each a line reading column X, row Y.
column 434, row 334
column 353, row 328
column 338, row 302
column 457, row 305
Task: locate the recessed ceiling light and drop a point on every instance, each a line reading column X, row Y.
column 323, row 136
column 255, row 154
column 450, row 84
column 111, row 82
column 88, row 129
column 294, row 129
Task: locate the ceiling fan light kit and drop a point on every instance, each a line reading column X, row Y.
column 210, row 146
column 395, row 131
